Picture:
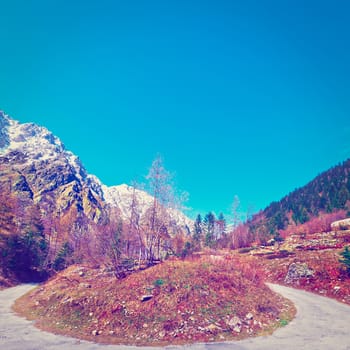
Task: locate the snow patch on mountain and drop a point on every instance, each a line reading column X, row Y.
column 37, row 144
column 38, row 148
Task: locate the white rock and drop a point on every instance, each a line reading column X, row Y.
column 249, row 316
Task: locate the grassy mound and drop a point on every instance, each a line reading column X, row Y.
column 208, row 299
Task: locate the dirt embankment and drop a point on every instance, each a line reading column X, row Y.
column 176, row 302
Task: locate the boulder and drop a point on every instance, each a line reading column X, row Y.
column 146, row 297
column 237, row 329
column 297, row 271
column 212, row 328
column 235, row 324
column 249, row 316
column 341, row 225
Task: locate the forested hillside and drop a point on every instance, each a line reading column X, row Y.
column 328, row 193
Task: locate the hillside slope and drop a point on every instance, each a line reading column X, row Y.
column 56, row 213
column 36, row 166
column 328, row 193
column 174, row 302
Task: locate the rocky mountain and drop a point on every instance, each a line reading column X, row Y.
column 328, row 193
column 36, row 166
column 53, row 213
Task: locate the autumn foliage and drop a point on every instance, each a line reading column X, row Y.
column 321, row 223
column 187, row 301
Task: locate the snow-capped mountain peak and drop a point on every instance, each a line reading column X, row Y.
column 34, row 159
column 36, row 143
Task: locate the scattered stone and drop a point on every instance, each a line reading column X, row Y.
column 111, row 332
column 85, row 285
column 237, row 329
column 256, row 323
column 146, row 297
column 161, row 335
column 91, row 314
column 297, row 271
column 270, row 242
column 81, row 273
column 212, row 328
column 95, row 332
column 249, row 316
column 336, row 289
column 234, row 322
column 37, row 303
column 145, row 325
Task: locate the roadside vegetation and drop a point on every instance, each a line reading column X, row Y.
column 317, row 262
column 206, row 298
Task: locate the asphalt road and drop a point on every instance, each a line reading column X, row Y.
column 321, row 323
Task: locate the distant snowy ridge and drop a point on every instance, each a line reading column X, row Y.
column 121, row 197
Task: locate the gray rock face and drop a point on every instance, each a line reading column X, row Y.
column 35, row 166
column 21, row 185
column 297, row 271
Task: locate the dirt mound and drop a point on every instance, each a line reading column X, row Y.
column 208, row 299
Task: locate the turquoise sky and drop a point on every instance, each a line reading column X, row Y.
column 247, row 98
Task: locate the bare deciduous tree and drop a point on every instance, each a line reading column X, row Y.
column 159, row 224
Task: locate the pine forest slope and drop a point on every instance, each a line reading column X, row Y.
column 328, row 193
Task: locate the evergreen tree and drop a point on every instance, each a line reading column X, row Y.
column 345, row 258
column 197, row 233
column 221, row 222
column 220, row 231
column 116, row 244
column 63, row 257
column 209, row 224
column 328, row 192
column 25, row 255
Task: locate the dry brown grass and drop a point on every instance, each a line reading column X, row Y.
column 192, row 300
column 320, row 251
column 330, row 278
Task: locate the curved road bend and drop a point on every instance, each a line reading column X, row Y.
column 320, row 324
